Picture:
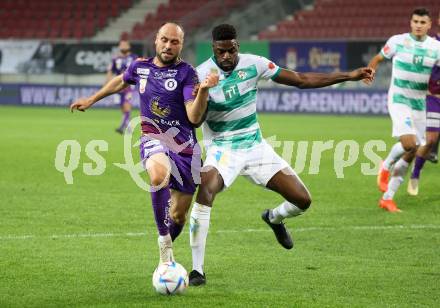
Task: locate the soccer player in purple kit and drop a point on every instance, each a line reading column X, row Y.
column 432, row 127
column 170, row 110
column 118, row 66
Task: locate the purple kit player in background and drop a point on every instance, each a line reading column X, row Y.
column 170, row 111
column 118, row 66
column 432, row 128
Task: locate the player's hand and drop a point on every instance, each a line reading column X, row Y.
column 364, row 73
column 210, row 81
column 81, row 104
column 369, row 81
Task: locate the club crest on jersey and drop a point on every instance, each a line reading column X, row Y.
column 171, row 84
column 242, row 75
column 142, row 85
column 157, row 110
column 407, row 43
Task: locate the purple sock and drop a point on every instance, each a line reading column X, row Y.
column 160, row 200
column 418, row 165
column 175, row 229
column 125, row 120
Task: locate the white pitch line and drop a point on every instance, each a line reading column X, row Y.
column 141, row 234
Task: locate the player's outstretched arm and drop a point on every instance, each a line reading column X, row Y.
column 374, row 63
column 197, row 108
column 108, row 76
column 113, row 86
column 319, row 80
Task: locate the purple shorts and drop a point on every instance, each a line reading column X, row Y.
column 432, row 114
column 185, row 168
column 125, row 96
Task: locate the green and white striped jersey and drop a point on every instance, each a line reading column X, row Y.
column 232, row 105
column 412, row 65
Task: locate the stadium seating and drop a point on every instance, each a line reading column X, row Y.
column 57, row 19
column 372, row 19
column 190, row 13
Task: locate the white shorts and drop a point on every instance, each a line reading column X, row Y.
column 407, row 121
column 259, row 163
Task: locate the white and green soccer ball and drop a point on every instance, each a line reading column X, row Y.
column 170, row 278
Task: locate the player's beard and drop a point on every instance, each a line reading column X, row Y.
column 169, row 61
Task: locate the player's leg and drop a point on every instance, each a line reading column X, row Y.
column 433, row 156
column 433, row 124
column 398, row 173
column 412, row 134
column 297, row 200
column 185, row 173
column 221, row 168
column 401, row 117
column 180, row 204
column 211, row 184
column 266, row 168
column 126, row 111
column 159, row 169
column 421, row 157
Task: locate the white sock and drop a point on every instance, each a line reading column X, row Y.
column 199, row 226
column 396, row 152
column 284, row 210
column 165, row 248
column 397, row 177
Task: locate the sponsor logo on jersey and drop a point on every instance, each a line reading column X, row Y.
column 271, row 65
column 170, row 122
column 143, row 71
column 165, row 75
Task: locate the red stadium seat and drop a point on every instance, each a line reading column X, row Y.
column 182, row 11
column 57, row 19
column 340, row 18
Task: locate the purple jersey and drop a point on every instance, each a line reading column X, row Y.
column 121, row 63
column 434, row 81
column 163, row 93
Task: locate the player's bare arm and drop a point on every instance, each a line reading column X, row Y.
column 108, row 76
column 374, row 63
column 197, row 108
column 113, row 86
column 319, row 80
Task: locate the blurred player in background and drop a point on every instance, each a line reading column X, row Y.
column 170, row 110
column 414, row 55
column 432, row 127
column 118, row 66
column 234, row 143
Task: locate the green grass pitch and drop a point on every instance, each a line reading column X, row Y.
column 93, row 243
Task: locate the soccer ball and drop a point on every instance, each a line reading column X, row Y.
column 170, row 278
